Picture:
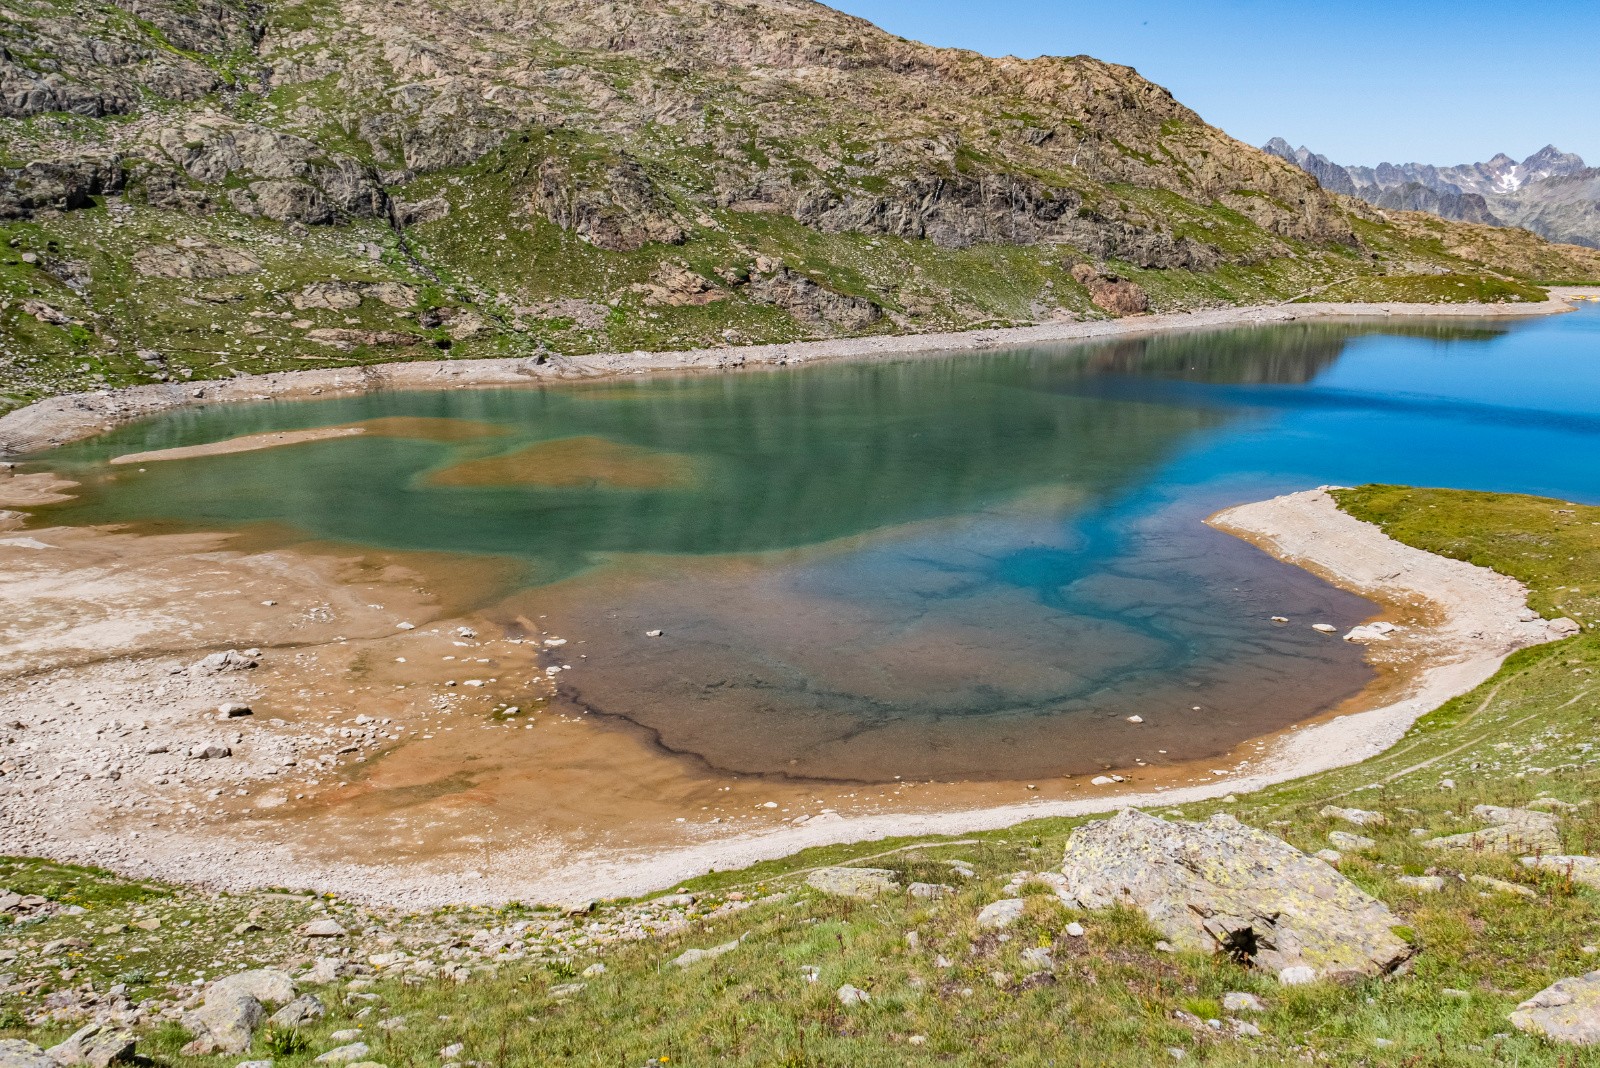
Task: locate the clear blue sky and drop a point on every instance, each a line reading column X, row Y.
column 1362, row 81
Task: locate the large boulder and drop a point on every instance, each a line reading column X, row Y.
column 267, row 985
column 226, row 1023
column 1222, row 887
column 1566, row 1011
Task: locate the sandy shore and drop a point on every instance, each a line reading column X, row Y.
column 380, row 762
column 60, row 420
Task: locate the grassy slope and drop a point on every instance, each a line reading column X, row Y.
column 1112, row 995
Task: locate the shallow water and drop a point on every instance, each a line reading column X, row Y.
column 965, row 567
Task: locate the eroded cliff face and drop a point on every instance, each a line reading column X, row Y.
column 510, row 157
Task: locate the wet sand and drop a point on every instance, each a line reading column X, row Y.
column 410, row 744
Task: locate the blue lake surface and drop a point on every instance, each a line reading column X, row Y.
column 972, row 566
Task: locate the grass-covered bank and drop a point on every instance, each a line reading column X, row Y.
column 1110, row 995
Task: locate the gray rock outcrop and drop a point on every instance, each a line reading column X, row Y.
column 854, row 882
column 1223, row 887
column 1566, row 1011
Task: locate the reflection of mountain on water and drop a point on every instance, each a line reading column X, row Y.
column 1291, row 354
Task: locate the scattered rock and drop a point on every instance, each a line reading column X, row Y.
column 1358, row 816
column 930, row 890
column 1329, row 856
column 1371, row 632
column 695, row 956
column 302, row 1010
column 1585, row 870
column 328, row 928
column 1567, row 1011
column 216, row 663
column 344, row 1054
column 1238, row 1001
column 854, row 882
column 1512, row 830
column 1037, row 959
column 1500, row 886
column 1001, row 914
column 1222, row 887
column 1346, row 840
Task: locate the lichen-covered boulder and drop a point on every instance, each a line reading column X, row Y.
column 1566, row 1011
column 1222, row 887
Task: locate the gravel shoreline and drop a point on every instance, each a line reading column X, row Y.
column 60, row 420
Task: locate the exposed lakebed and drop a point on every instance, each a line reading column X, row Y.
column 973, row 567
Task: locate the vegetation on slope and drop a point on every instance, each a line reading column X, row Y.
column 958, row 995
column 580, row 176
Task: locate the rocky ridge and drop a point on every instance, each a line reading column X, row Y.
column 1553, row 193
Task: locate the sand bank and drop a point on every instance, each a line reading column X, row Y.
column 60, row 420
column 248, row 443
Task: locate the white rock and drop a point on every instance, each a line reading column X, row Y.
column 850, row 995
column 1238, row 1001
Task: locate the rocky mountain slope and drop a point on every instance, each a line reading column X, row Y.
column 195, row 188
column 1553, row 193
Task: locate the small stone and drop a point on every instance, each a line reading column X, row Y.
column 349, row 1034
column 653, row 633
column 810, row 973
column 593, row 970
column 1238, row 1001
column 345, row 1054
column 1329, row 856
column 452, row 1051
column 930, row 890
column 1135, row 719
column 1075, row 929
column 917, row 1040
column 1324, row 628
column 328, row 928
column 234, row 711
column 850, row 995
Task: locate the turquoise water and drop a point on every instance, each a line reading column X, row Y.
column 960, row 567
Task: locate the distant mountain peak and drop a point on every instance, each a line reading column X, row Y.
column 1553, row 193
